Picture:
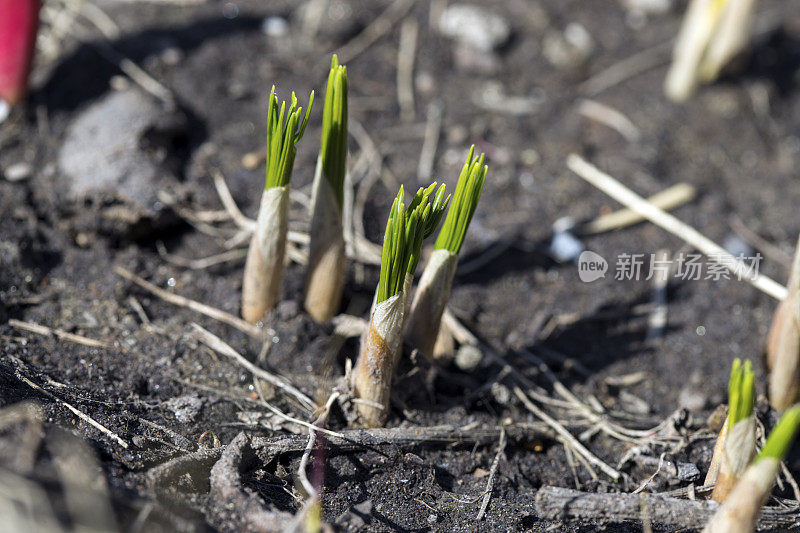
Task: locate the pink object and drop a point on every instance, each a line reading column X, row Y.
column 19, row 21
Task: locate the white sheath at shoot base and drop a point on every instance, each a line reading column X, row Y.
column 260, row 292
column 713, row 32
column 263, row 270
column 739, row 513
column 736, row 444
column 433, row 292
column 381, row 345
column 380, row 351
column 326, row 256
column 783, row 344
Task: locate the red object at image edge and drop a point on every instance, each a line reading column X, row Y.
column 19, row 21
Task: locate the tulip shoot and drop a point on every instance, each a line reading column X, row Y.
column 433, row 291
column 263, row 270
column 736, row 443
column 326, row 259
column 783, row 344
column 382, row 343
column 739, row 513
column 712, row 34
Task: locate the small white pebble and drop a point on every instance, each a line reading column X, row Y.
column 274, row 27
column 565, row 247
column 18, row 172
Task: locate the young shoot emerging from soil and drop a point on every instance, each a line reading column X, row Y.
column 326, row 260
column 263, row 271
column 783, row 344
column 736, row 444
column 433, row 291
column 712, row 34
column 740, row 511
column 382, row 343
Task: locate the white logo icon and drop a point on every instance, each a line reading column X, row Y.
column 591, row 266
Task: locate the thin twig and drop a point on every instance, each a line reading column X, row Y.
column 312, row 437
column 203, row 309
column 644, row 485
column 80, row 414
column 229, row 203
column 406, row 50
column 610, row 117
column 202, row 263
column 630, row 67
column 713, row 251
column 221, row 347
column 487, row 495
column 61, row 334
column 380, row 26
column 760, row 243
column 561, row 430
column 668, row 199
column 111, row 32
column 433, row 129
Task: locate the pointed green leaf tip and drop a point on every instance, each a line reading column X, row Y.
column 334, row 128
column 282, row 136
column 465, row 200
column 740, row 392
column 405, row 231
column 782, row 436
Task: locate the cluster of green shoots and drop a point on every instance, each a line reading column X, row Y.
column 282, row 136
column 406, row 228
column 333, row 149
column 465, row 201
column 741, row 387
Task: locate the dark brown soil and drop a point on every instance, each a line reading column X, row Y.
column 736, row 142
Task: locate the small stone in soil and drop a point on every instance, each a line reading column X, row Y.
column 468, row 357
column 736, row 246
column 18, row 172
column 119, row 153
column 274, row 26
column 568, row 49
column 692, row 399
column 474, row 26
column 565, row 247
column 5, row 110
column 185, row 408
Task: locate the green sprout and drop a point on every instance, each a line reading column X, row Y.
column 465, row 200
column 334, row 128
column 405, row 231
column 740, row 392
column 782, row 435
column 282, row 137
